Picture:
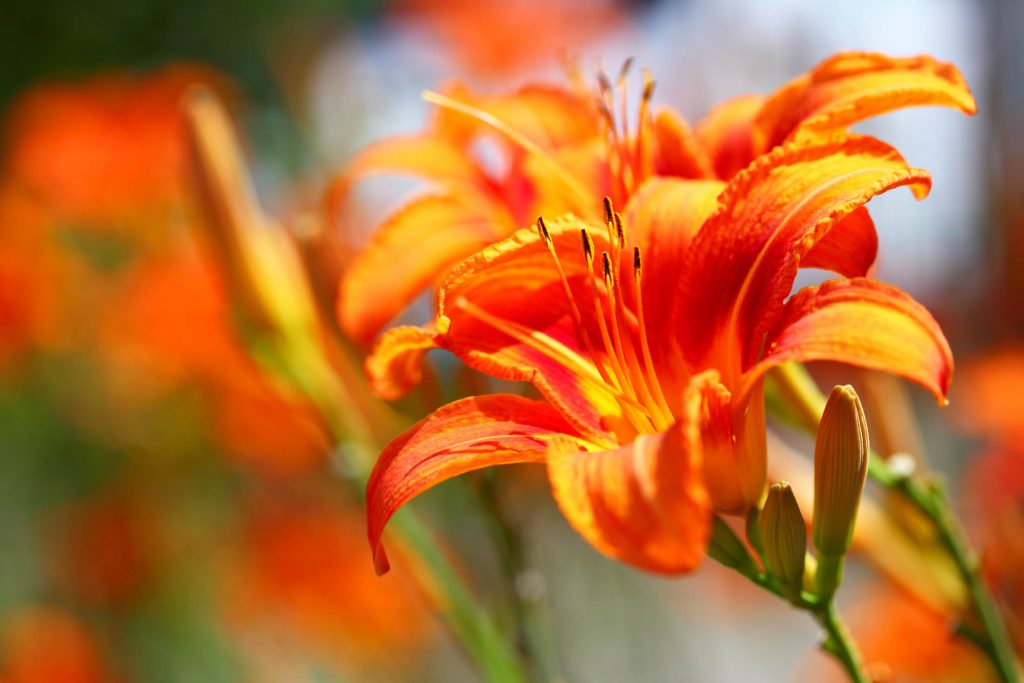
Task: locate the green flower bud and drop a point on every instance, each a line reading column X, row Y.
column 840, row 468
column 785, row 539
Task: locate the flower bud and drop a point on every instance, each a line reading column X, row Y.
column 785, row 538
column 840, row 468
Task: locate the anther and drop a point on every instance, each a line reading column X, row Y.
column 609, row 276
column 543, row 230
column 609, row 211
column 636, row 262
column 588, row 246
column 620, row 231
column 624, row 71
column 648, row 86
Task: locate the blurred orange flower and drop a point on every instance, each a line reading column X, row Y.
column 987, row 399
column 107, row 148
column 30, row 277
column 517, row 35
column 107, row 548
column 494, row 163
column 902, row 640
column 302, row 570
column 652, row 369
column 45, row 645
column 173, row 326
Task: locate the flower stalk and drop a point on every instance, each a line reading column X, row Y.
column 725, row 548
column 805, row 400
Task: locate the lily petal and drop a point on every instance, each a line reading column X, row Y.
column 677, row 150
column 849, row 249
column 409, row 252
column 548, row 116
column 732, row 432
column 516, row 281
column 396, row 364
column 662, row 218
column 425, row 156
column 727, row 134
column 866, row 323
column 460, row 437
column 745, row 257
column 853, row 86
column 644, row 503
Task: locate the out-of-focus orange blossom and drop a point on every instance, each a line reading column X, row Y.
column 104, row 148
column 108, row 548
column 173, row 327
column 302, row 566
column 902, row 640
column 519, row 35
column 46, row 645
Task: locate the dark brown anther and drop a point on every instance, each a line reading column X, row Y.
column 620, row 231
column 543, row 230
column 609, row 211
column 609, row 277
column 588, row 246
column 636, row 261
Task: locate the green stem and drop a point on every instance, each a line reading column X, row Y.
column 933, row 501
column 839, row 644
column 804, row 398
column 837, row 638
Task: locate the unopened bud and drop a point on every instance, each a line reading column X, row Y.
column 840, row 468
column 785, row 538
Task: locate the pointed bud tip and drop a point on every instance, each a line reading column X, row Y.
column 841, row 454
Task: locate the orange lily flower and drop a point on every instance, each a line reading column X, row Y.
column 563, row 149
column 650, row 341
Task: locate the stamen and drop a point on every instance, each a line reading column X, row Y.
column 622, row 85
column 642, row 121
column 616, row 309
column 620, row 231
column 588, row 247
column 624, row 70
column 577, row 188
column 551, row 348
column 595, row 295
column 645, row 348
column 577, row 316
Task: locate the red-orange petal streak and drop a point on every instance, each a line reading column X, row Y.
column 865, row 323
column 460, row 437
column 644, row 503
column 413, row 249
column 396, row 364
column 677, row 150
column 853, row 86
column 726, row 134
column 746, row 256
